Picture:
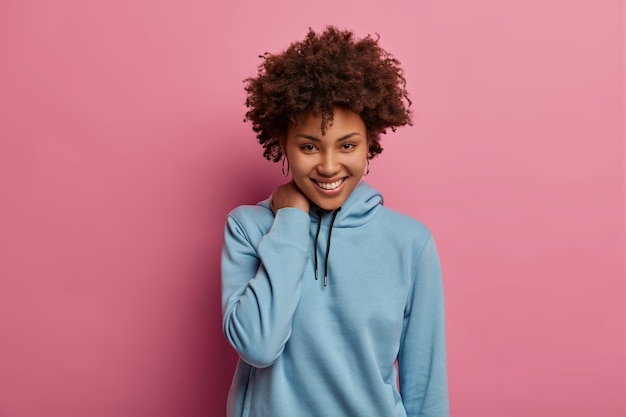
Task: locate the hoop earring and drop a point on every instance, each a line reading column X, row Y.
column 367, row 164
column 283, row 167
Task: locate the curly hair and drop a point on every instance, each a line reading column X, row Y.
column 327, row 70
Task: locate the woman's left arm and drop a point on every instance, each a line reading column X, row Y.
column 422, row 357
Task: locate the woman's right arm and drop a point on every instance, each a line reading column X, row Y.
column 261, row 285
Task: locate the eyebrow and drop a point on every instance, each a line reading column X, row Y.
column 315, row 139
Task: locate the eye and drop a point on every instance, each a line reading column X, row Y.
column 348, row 146
column 308, row 147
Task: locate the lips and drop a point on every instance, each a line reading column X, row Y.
column 329, row 186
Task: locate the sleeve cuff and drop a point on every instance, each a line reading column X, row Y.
column 291, row 224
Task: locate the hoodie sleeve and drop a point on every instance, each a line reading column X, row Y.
column 261, row 285
column 422, row 356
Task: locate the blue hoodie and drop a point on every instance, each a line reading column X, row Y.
column 313, row 350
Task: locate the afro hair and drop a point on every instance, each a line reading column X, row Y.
column 324, row 71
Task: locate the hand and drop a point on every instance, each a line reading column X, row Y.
column 289, row 195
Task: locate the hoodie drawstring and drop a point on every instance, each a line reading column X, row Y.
column 330, row 230
column 319, row 226
column 317, row 233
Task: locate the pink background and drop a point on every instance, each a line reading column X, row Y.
column 122, row 149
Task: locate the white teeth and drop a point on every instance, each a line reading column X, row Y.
column 329, row 186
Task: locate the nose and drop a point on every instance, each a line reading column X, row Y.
column 329, row 164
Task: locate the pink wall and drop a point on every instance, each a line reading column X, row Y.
column 122, row 148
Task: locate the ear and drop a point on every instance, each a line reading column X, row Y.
column 283, row 145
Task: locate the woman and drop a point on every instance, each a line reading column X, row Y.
column 323, row 288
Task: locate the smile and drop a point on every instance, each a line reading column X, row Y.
column 330, row 185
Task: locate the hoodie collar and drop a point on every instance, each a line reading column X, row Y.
column 359, row 207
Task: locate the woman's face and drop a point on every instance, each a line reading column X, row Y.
column 327, row 167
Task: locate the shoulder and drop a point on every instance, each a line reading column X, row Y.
column 251, row 219
column 400, row 221
column 250, row 212
column 403, row 229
